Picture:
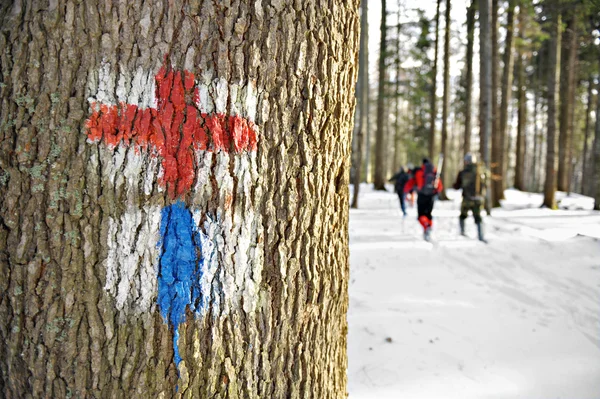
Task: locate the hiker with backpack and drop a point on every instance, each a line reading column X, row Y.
column 428, row 184
column 400, row 180
column 472, row 180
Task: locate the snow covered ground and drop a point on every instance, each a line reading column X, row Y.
column 516, row 318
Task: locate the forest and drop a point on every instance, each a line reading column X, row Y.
column 523, row 97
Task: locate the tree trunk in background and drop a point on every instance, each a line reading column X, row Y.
column 567, row 101
column 363, row 98
column 398, row 98
column 553, row 78
column 522, row 121
column 469, row 66
column 536, row 147
column 446, row 98
column 496, row 150
column 596, row 162
column 485, row 73
column 156, row 149
column 590, row 96
column 379, row 178
column 499, row 158
column 433, row 98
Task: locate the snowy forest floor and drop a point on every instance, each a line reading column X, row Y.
column 515, row 318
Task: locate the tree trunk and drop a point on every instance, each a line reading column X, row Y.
column 536, row 147
column 173, row 198
column 433, row 98
column 446, row 96
column 522, row 121
column 363, row 98
column 496, row 150
column 567, row 103
column 380, row 140
column 469, row 65
column 499, row 140
column 586, row 139
column 596, row 160
column 398, row 98
column 553, row 78
column 485, row 73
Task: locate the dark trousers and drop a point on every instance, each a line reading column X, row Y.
column 424, row 209
column 402, row 198
column 473, row 206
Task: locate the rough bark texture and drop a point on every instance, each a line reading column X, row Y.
column 498, row 143
column 553, row 78
column 446, row 95
column 567, row 102
column 433, row 98
column 469, row 66
column 496, row 140
column 586, row 138
column 596, row 159
column 363, row 100
column 379, row 177
column 94, row 194
column 485, row 81
column 522, row 121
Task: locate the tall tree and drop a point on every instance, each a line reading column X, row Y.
column 433, row 97
column 173, row 202
column 596, row 162
column 381, row 140
column 553, row 78
column 496, row 150
column 567, row 99
column 499, row 141
column 522, row 110
column 587, row 128
column 446, row 94
column 362, row 91
column 485, row 81
column 469, row 77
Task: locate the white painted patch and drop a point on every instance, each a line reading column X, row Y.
column 131, row 264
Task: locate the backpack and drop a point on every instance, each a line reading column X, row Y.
column 473, row 181
column 429, row 177
column 400, row 182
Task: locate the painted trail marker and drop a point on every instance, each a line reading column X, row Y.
column 172, row 119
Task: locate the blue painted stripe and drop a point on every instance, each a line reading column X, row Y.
column 180, row 268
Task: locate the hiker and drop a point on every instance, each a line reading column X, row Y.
column 428, row 185
column 400, row 180
column 472, row 180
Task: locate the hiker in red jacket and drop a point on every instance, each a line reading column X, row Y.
column 428, row 185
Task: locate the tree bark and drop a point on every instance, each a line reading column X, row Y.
column 433, row 108
column 586, row 139
column 499, row 141
column 446, row 96
column 522, row 121
column 174, row 198
column 469, row 88
column 553, row 78
column 485, row 73
column 496, row 152
column 567, row 103
column 363, row 98
column 381, row 141
column 596, row 160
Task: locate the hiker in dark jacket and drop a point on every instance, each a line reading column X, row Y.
column 428, row 185
column 400, row 180
column 472, row 180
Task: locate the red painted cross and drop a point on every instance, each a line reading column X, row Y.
column 174, row 130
